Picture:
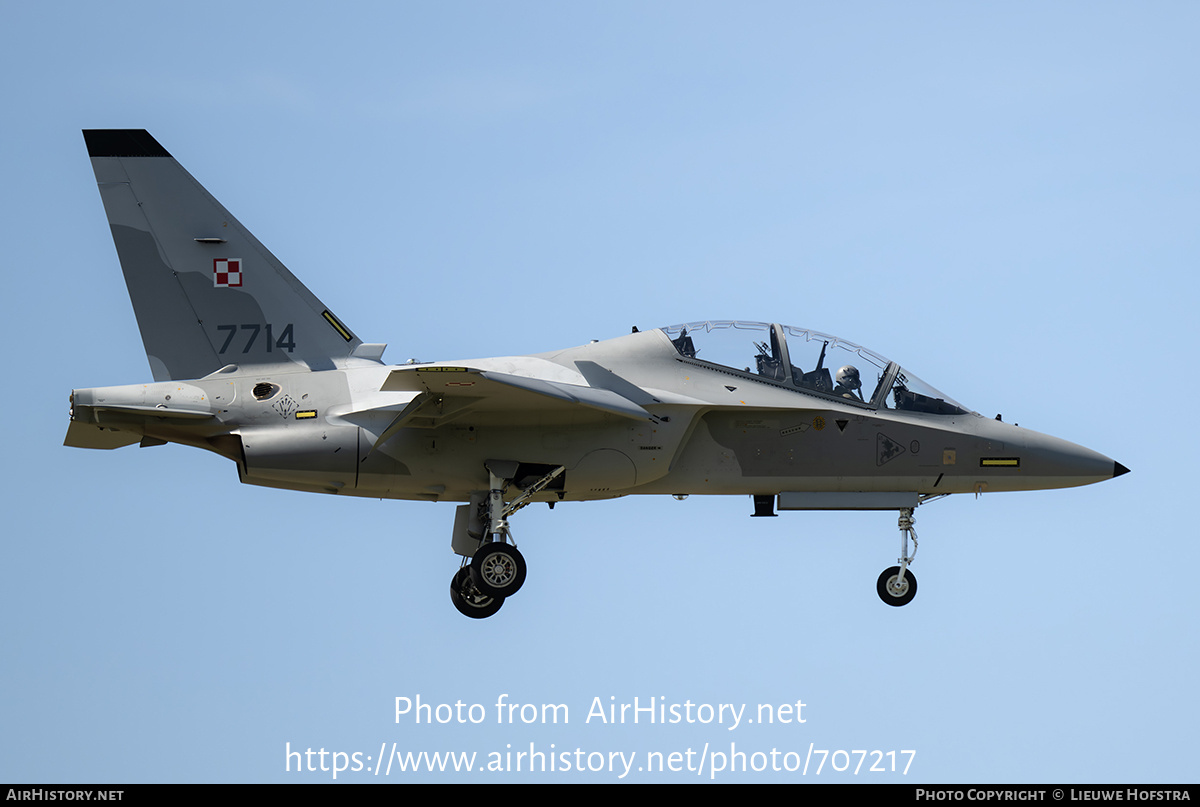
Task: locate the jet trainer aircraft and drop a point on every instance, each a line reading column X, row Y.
column 248, row 363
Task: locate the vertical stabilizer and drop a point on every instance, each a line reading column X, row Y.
column 206, row 293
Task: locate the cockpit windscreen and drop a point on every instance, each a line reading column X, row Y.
column 809, row 361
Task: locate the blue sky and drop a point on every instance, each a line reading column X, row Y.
column 1003, row 198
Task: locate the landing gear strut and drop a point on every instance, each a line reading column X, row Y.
column 496, row 569
column 898, row 585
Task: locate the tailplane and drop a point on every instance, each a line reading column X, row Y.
column 206, row 293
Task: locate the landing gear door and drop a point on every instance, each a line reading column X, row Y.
column 468, row 527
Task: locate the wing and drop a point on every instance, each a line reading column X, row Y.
column 446, row 393
column 502, row 391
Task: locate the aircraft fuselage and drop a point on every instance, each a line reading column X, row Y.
column 318, row 431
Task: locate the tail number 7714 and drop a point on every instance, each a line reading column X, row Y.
column 250, row 334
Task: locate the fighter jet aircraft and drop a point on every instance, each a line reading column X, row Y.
column 248, row 363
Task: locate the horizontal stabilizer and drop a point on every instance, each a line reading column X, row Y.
column 158, row 410
column 89, row 435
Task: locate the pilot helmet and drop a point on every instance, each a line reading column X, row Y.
column 848, row 377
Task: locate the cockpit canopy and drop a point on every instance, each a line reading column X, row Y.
column 812, row 362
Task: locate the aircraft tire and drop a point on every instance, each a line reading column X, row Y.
column 904, row 597
column 498, row 569
column 471, row 603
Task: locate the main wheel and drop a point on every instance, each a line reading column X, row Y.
column 468, row 600
column 498, row 570
column 895, row 591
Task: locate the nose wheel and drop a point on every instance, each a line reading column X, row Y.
column 895, row 589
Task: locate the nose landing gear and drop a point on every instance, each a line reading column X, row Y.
column 898, row 585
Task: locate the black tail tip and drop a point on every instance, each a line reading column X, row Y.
column 1119, row 469
column 122, row 143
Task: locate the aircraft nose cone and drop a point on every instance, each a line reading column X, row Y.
column 1048, row 462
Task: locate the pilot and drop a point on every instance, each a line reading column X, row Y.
column 848, row 383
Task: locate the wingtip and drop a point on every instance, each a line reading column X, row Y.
column 122, row 143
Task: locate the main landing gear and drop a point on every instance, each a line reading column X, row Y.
column 898, row 585
column 497, row 569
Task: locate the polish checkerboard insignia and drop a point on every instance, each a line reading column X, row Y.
column 227, row 272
